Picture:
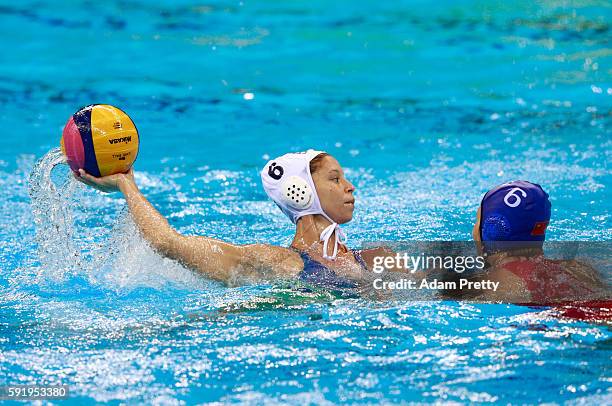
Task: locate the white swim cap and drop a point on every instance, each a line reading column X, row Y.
column 288, row 182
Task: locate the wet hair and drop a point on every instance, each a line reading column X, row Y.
column 316, row 162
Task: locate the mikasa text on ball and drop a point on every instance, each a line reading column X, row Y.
column 101, row 139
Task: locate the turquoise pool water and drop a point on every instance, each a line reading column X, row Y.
column 426, row 105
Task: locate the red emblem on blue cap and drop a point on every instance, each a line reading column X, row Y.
column 539, row 228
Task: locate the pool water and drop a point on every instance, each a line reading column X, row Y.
column 426, row 105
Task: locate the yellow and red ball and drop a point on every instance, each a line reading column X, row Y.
column 101, row 139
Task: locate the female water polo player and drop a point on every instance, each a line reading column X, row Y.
column 511, row 228
column 310, row 188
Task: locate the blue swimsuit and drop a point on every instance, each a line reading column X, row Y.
column 315, row 273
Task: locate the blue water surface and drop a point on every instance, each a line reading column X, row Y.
column 427, row 105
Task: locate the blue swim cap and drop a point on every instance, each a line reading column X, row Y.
column 514, row 211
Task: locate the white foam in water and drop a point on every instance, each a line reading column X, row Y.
column 126, row 261
column 84, row 233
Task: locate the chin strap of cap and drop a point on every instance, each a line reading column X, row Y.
column 327, row 234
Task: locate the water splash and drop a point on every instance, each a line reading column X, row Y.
column 53, row 218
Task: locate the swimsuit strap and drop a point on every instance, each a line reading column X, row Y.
column 359, row 258
column 356, row 255
column 316, row 273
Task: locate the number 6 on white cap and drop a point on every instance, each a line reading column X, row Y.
column 517, row 198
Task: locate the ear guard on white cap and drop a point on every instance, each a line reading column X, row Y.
column 297, row 193
column 288, row 182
